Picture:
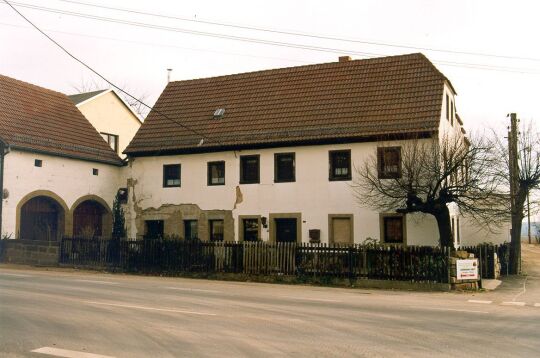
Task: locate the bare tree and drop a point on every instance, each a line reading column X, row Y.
column 136, row 105
column 527, row 182
column 430, row 175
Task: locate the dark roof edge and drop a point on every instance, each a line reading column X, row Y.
column 294, row 143
column 118, row 163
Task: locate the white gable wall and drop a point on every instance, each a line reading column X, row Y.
column 107, row 113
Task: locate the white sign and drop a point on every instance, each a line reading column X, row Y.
column 467, row 269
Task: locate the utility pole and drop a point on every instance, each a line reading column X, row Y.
column 515, row 242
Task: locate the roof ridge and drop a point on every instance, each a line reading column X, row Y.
column 40, row 88
column 307, row 67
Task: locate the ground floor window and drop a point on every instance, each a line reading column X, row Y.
column 251, row 229
column 393, row 229
column 216, row 230
column 191, row 231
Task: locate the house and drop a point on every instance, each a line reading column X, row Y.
column 113, row 118
column 59, row 177
column 270, row 155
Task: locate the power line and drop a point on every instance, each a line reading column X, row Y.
column 269, row 42
column 294, row 33
column 154, row 44
column 105, row 79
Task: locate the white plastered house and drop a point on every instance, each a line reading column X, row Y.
column 270, row 155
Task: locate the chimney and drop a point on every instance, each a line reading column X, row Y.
column 344, row 58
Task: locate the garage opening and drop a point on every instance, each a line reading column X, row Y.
column 89, row 218
column 42, row 218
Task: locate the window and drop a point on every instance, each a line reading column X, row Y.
column 171, row 175
column 216, row 173
column 249, row 169
column 451, row 113
column 191, row 231
column 216, row 230
column 340, row 165
column 112, row 139
column 389, row 162
column 284, row 167
column 447, row 107
column 393, row 229
column 251, row 229
column 95, row 171
column 38, row 163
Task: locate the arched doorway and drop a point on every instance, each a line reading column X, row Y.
column 91, row 219
column 42, row 218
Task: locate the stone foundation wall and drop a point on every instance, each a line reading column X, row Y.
column 42, row 253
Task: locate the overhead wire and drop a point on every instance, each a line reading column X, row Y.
column 108, row 81
column 300, row 34
column 270, row 42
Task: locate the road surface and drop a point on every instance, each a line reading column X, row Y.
column 69, row 313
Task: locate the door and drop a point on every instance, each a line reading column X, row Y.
column 341, row 230
column 286, row 230
column 154, row 229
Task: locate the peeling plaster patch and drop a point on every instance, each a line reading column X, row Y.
column 239, row 197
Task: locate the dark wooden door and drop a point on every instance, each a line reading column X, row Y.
column 286, row 230
column 40, row 219
column 154, row 229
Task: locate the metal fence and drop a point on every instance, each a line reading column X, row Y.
column 489, row 255
column 410, row 263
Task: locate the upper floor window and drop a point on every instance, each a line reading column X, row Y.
column 216, row 173
column 249, row 169
column 112, row 139
column 389, row 162
column 284, row 167
column 171, row 175
column 340, row 165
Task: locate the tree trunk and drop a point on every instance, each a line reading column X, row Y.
column 445, row 228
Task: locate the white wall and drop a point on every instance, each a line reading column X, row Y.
column 70, row 179
column 312, row 194
column 107, row 113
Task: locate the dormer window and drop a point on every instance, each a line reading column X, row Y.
column 219, row 113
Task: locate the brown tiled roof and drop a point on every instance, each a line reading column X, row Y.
column 37, row 119
column 332, row 102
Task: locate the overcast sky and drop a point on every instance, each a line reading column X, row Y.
column 137, row 57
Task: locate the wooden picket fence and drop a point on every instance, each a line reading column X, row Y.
column 409, row 263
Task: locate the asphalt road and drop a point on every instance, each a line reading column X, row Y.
column 84, row 314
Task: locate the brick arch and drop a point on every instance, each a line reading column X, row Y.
column 64, row 220
column 106, row 217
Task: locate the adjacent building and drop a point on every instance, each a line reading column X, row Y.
column 112, row 117
column 59, row 176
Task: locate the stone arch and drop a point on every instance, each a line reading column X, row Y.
column 91, row 217
column 54, row 213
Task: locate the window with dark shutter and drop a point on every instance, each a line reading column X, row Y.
column 284, row 167
column 249, row 169
column 216, row 173
column 216, row 230
column 340, row 165
column 171, row 175
column 389, row 162
column 393, row 229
